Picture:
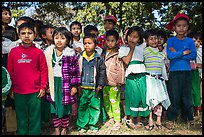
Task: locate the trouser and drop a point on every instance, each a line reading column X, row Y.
column 179, row 90
column 28, row 114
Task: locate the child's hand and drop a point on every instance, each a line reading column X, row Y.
column 73, row 91
column 186, row 52
column 172, row 49
column 77, row 50
column 11, row 95
column 97, row 90
column 41, row 93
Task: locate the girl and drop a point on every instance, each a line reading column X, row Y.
column 155, row 76
column 93, row 78
column 135, row 88
column 115, row 79
column 63, row 71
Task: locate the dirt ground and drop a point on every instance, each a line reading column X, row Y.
column 181, row 128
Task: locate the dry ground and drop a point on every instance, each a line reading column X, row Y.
column 181, row 128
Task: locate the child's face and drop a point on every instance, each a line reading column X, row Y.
column 27, row 36
column 60, row 40
column 197, row 42
column 111, row 42
column 108, row 25
column 181, row 27
column 152, row 41
column 89, row 45
column 49, row 33
column 6, row 17
column 76, row 31
column 161, row 41
column 133, row 38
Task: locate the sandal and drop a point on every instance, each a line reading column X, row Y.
column 138, row 125
column 116, row 126
column 159, row 126
column 130, row 124
column 149, row 127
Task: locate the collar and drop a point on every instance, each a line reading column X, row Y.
column 86, row 57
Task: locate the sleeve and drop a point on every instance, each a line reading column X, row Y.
column 75, row 81
column 6, row 82
column 102, row 73
column 193, row 54
column 44, row 71
column 123, row 51
column 170, row 54
column 10, row 65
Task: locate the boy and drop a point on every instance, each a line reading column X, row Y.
column 180, row 50
column 46, row 36
column 93, row 78
column 110, row 23
column 91, row 29
column 76, row 29
column 29, row 74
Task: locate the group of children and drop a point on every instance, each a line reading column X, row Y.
column 95, row 77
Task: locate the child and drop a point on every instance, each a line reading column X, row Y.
column 156, row 95
column 76, row 29
column 10, row 32
column 196, row 72
column 93, row 78
column 6, row 85
column 45, row 33
column 115, row 79
column 26, row 63
column 38, row 24
column 110, row 23
column 135, row 88
column 91, row 29
column 180, row 50
column 64, row 78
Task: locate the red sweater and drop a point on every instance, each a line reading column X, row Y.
column 28, row 69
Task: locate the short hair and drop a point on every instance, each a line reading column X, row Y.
column 75, row 23
column 162, row 33
column 93, row 37
column 43, row 30
column 195, row 35
column 112, row 33
column 150, row 32
column 3, row 8
column 38, row 24
column 138, row 30
column 66, row 33
column 26, row 19
column 89, row 28
column 26, row 25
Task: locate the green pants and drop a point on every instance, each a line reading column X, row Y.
column 135, row 96
column 111, row 97
column 57, row 107
column 28, row 114
column 88, row 110
column 195, row 88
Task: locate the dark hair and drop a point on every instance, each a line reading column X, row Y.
column 38, row 24
column 26, row 25
column 195, row 35
column 3, row 8
column 89, row 28
column 93, row 37
column 64, row 31
column 149, row 32
column 75, row 23
column 162, row 33
column 138, row 30
column 112, row 33
column 181, row 18
column 26, row 19
column 43, row 30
